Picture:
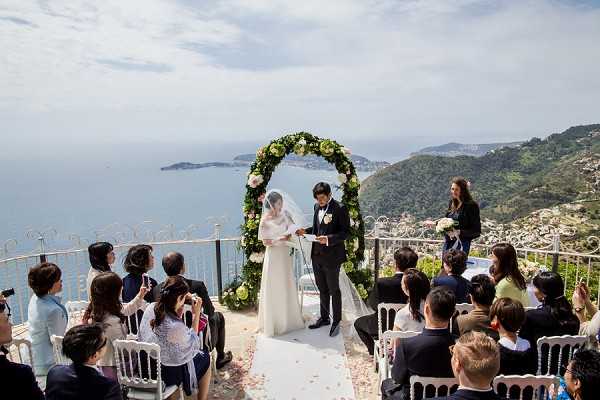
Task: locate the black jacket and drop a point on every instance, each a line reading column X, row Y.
column 387, row 290
column 76, row 382
column 427, row 354
column 336, row 231
column 198, row 288
column 469, row 221
column 464, row 394
column 513, row 362
column 17, row 381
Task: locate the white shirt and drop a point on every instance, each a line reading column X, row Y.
column 321, row 215
column 404, row 320
column 521, row 345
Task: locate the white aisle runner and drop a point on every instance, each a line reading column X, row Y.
column 306, row 364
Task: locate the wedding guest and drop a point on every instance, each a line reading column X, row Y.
column 475, row 363
column 105, row 307
column 16, row 380
column 102, row 257
column 516, row 354
column 555, row 317
column 183, row 361
column 415, row 285
column 465, row 210
column 138, row 262
column 386, row 290
column 482, row 294
column 174, row 264
column 46, row 314
column 85, row 345
column 586, row 311
column 581, row 377
column 454, row 264
column 414, row 355
column 509, row 280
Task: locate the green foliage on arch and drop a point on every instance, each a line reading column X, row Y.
column 244, row 292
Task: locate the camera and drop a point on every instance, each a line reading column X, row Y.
column 192, row 300
column 8, row 292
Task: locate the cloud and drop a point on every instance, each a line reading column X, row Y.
column 463, row 70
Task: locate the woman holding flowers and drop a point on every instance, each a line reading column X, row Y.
column 465, row 213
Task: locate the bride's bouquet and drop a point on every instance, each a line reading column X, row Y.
column 446, row 225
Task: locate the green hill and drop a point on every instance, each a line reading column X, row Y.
column 509, row 183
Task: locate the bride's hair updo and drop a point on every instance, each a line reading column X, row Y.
column 272, row 199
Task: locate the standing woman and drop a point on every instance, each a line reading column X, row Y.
column 46, row 315
column 138, row 262
column 505, row 271
column 465, row 210
column 102, row 257
column 106, row 308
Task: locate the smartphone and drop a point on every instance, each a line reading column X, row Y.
column 146, row 281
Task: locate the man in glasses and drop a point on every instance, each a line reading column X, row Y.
column 16, row 380
column 84, row 345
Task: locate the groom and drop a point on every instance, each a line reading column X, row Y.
column 331, row 224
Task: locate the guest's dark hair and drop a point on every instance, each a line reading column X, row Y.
column 98, row 253
column 174, row 287
column 417, row 284
column 173, row 263
column 405, row 258
column 137, row 260
column 510, row 313
column 42, row 277
column 482, row 290
column 105, row 298
column 585, row 366
column 442, row 303
column 83, row 341
column 508, row 266
column 456, row 260
column 552, row 287
column 272, row 199
column 321, row 188
column 465, row 193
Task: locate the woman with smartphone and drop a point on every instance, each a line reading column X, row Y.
column 138, row 262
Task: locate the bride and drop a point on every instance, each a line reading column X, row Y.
column 278, row 309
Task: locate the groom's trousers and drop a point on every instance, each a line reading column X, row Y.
column 327, row 278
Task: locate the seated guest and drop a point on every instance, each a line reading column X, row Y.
column 183, row 361
column 586, row 311
column 581, row 377
column 427, row 354
column 84, row 345
column 386, row 290
column 16, row 380
column 174, row 264
column 475, row 363
column 454, row 264
column 482, row 294
column 415, row 285
column 505, row 272
column 555, row 317
column 102, row 257
column 46, row 314
column 516, row 354
column 106, row 307
column 138, row 262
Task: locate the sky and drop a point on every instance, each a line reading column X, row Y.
column 381, row 75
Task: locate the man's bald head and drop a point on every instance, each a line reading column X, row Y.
column 173, row 263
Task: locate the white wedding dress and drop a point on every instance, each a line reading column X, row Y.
column 278, row 309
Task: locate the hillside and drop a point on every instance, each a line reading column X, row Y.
column 509, row 183
column 460, row 149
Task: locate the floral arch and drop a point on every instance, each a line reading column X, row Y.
column 243, row 291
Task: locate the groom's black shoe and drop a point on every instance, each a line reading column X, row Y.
column 335, row 329
column 320, row 322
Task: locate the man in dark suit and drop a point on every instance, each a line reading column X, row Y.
column 386, row 290
column 16, row 380
column 84, row 345
column 174, row 264
column 427, row 354
column 475, row 362
column 331, row 225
